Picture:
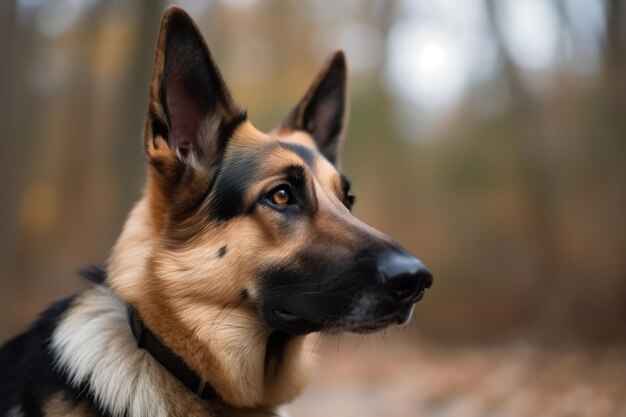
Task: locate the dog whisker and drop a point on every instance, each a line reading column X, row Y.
column 228, row 314
column 315, row 345
column 218, row 315
column 338, row 341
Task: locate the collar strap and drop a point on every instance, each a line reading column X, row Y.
column 168, row 359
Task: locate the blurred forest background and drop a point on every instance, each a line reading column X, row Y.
column 488, row 136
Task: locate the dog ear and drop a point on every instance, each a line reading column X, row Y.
column 191, row 114
column 321, row 112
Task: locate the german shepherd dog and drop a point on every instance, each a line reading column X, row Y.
column 242, row 246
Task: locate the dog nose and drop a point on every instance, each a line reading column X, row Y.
column 404, row 276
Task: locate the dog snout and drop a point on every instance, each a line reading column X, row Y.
column 403, row 276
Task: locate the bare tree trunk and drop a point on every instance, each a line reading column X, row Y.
column 18, row 110
column 615, row 53
column 615, row 45
column 129, row 149
column 7, row 121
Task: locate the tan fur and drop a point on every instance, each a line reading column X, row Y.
column 197, row 318
column 188, row 295
column 201, row 317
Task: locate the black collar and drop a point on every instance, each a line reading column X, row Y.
column 168, row 359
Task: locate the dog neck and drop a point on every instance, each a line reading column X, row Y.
column 229, row 346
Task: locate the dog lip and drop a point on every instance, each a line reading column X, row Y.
column 374, row 326
column 286, row 315
column 290, row 323
column 416, row 298
column 400, row 318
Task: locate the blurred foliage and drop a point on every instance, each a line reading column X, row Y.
column 513, row 193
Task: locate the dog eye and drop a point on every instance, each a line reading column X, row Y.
column 281, row 196
column 350, row 201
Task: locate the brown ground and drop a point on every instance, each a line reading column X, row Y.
column 400, row 381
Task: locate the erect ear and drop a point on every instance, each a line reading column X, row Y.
column 321, row 112
column 191, row 114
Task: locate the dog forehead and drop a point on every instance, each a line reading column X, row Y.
column 297, row 137
column 269, row 154
column 249, row 139
column 304, row 145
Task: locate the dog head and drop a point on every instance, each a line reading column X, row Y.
column 262, row 220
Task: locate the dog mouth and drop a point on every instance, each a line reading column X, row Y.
column 287, row 316
column 373, row 326
column 364, row 325
column 292, row 323
column 399, row 318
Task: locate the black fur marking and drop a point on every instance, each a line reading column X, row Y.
column 245, row 295
column 228, row 128
column 235, row 177
column 306, row 154
column 222, row 251
column 27, row 373
column 94, row 274
column 237, row 174
column 159, row 128
column 275, row 348
column 295, row 288
column 231, row 184
column 297, row 176
column 316, row 286
column 301, row 188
